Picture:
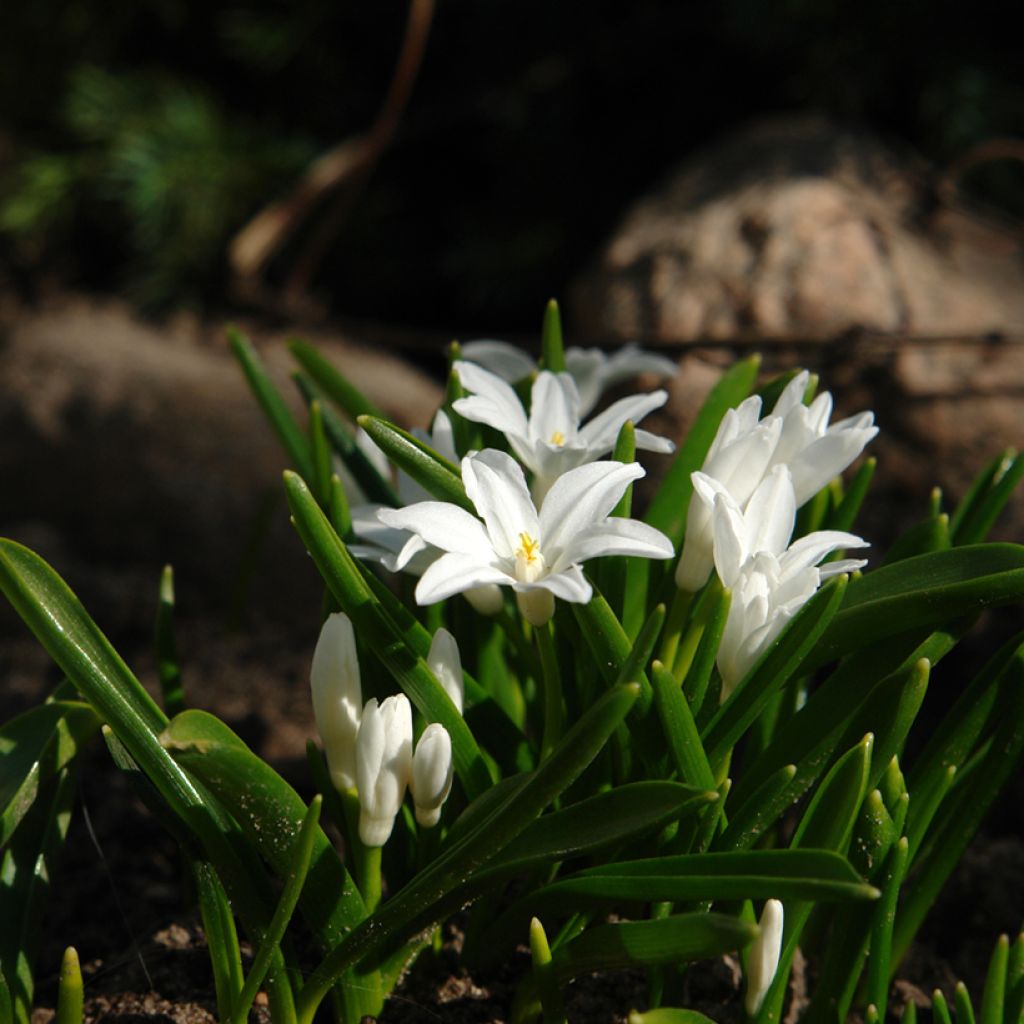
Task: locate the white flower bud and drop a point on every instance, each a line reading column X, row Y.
column 763, row 959
column 337, row 697
column 383, row 765
column 444, row 661
column 485, row 599
column 431, row 779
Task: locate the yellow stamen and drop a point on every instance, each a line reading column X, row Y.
column 529, row 548
column 558, row 438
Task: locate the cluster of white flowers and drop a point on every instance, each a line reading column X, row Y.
column 369, row 747
column 756, row 475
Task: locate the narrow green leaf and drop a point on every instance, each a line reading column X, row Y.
column 552, row 348
column 668, row 1015
column 964, row 1006
column 70, row 992
column 28, row 866
column 681, row 733
column 978, row 517
column 940, row 1009
column 1014, row 1001
column 34, row 747
column 924, row 591
column 221, row 936
column 844, row 515
column 428, row 468
column 993, row 997
column 881, row 929
column 759, row 811
column 274, row 406
column 670, row 940
column 340, row 437
column 378, row 629
column 668, row 509
column 168, row 666
column 320, row 455
column 335, row 385
column 299, row 858
column 930, row 535
column 547, row 983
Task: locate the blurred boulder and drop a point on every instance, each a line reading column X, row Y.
column 798, row 229
column 131, row 444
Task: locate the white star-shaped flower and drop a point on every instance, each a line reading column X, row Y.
column 770, row 580
column 593, row 369
column 551, row 440
column 538, row 554
column 746, row 449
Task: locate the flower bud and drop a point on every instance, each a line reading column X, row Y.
column 383, row 765
column 337, row 697
column 763, row 959
column 431, row 779
column 444, row 661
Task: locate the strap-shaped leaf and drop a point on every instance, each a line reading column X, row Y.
column 428, row 468
column 334, row 383
column 274, row 406
column 844, row 515
column 34, row 747
column 372, row 622
column 670, row 940
column 552, row 347
column 981, row 506
column 28, row 866
column 691, row 762
column 925, row 591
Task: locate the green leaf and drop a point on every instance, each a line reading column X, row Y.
column 367, row 476
column 28, row 866
column 299, row 859
column 877, row 986
column 271, row 814
column 844, row 515
column 925, row 591
column 975, row 516
column 993, row 997
column 320, row 455
column 547, row 984
column 334, row 383
column 274, row 406
column 964, row 1006
column 784, row 656
column 670, row 940
column 168, row 667
column 428, row 468
column 70, row 995
column 759, row 811
column 930, row 535
column 1014, row 1000
column 688, row 755
column 668, row 1015
column 667, row 511
column 552, row 349
column 376, row 627
column 34, row 747
column 221, row 936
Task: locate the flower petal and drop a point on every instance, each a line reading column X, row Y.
column 554, row 409
column 492, row 400
column 570, row 585
column 453, row 573
column 826, row 458
column 603, row 430
column 770, row 514
column 495, row 484
column 615, row 536
column 580, row 498
column 442, row 524
column 509, row 362
column 810, row 550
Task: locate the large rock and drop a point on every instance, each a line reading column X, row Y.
column 798, row 229
column 128, row 444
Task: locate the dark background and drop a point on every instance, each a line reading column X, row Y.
column 137, row 137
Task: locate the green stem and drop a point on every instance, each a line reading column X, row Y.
column 552, row 683
column 677, row 615
column 369, row 856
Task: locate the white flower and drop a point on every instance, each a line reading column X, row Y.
column 444, row 661
column 551, row 441
column 746, row 448
column 383, row 765
column 537, row 554
column 337, row 697
column 763, row 958
column 400, row 550
column 432, row 770
column 592, row 369
column 769, row 581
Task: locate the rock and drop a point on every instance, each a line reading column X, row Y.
column 797, row 229
column 141, row 444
